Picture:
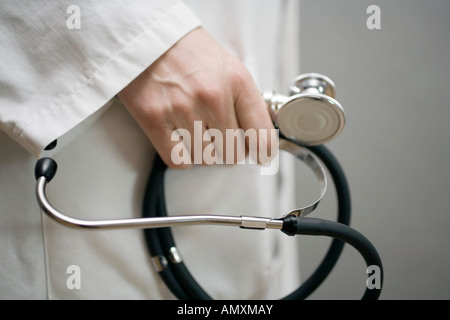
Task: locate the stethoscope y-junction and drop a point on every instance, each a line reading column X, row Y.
column 306, row 119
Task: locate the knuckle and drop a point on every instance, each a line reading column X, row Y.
column 157, row 113
column 154, row 115
column 181, row 106
column 240, row 77
column 209, row 94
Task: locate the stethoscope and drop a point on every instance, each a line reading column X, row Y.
column 307, row 118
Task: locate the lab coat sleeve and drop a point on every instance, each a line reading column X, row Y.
column 63, row 61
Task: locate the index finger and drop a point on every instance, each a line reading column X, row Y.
column 254, row 118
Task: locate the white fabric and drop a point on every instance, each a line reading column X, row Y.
column 50, row 71
column 56, row 84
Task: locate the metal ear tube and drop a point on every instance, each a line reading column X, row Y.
column 46, row 168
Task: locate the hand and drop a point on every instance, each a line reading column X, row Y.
column 196, row 80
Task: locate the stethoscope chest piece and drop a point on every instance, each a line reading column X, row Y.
column 310, row 115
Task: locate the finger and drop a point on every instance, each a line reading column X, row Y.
column 224, row 125
column 173, row 145
column 196, row 143
column 253, row 116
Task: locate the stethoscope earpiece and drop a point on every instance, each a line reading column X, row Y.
column 45, row 167
column 310, row 115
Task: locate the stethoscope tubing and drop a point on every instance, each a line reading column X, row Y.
column 182, row 284
column 162, row 248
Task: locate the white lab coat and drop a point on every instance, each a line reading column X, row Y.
column 58, row 83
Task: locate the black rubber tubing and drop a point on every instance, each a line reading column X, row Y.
column 159, row 241
column 178, row 278
column 150, row 205
column 344, row 209
column 320, row 227
column 183, row 285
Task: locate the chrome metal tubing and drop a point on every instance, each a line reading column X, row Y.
column 313, row 162
column 246, row 222
column 156, row 222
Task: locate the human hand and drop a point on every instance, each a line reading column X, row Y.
column 197, row 80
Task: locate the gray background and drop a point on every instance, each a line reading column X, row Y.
column 394, row 86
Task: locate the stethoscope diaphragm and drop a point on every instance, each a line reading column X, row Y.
column 310, row 115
